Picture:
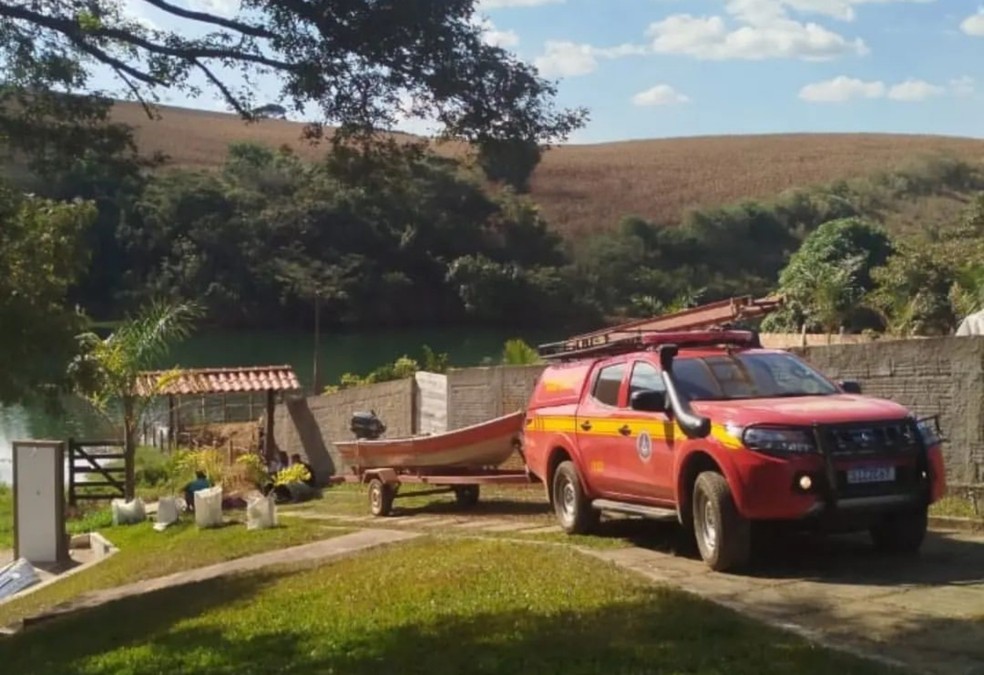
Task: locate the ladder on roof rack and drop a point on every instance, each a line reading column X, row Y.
column 715, row 316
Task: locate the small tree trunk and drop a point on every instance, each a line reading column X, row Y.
column 129, row 449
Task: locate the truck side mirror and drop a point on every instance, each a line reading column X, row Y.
column 850, row 386
column 648, row 400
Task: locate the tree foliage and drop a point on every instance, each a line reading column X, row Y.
column 41, row 255
column 827, row 278
column 358, row 64
column 517, row 353
column 913, row 293
column 388, row 239
column 107, row 371
column 933, row 282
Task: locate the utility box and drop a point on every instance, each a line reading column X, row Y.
column 39, row 502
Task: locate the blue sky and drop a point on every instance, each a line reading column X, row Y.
column 659, row 68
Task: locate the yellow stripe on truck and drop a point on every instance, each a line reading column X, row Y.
column 566, row 424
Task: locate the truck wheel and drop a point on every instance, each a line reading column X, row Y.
column 380, row 498
column 570, row 504
column 723, row 536
column 466, row 496
column 901, row 532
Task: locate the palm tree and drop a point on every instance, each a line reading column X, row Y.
column 108, row 370
column 517, row 353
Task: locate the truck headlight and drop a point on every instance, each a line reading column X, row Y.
column 779, row 441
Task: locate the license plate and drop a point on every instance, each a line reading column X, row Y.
column 878, row 474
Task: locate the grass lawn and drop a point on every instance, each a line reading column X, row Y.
column 145, row 553
column 428, row 607
column 6, row 517
column 954, row 507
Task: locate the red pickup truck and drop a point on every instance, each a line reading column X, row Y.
column 719, row 432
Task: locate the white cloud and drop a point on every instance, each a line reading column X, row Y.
column 765, row 31
column 962, row 86
column 132, row 10
column 914, row 90
column 495, row 37
column 762, row 29
column 570, row 59
column 566, row 59
column 661, row 94
column 974, row 24
column 497, row 4
column 835, row 9
column 841, row 89
column 226, row 8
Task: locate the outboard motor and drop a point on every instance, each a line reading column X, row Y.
column 367, row 426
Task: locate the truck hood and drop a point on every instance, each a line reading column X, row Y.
column 801, row 410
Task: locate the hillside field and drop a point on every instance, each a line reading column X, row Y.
column 587, row 188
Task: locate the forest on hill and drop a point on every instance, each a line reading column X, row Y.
column 587, row 189
column 404, row 237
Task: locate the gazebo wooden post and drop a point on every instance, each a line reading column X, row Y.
column 172, row 422
column 268, row 431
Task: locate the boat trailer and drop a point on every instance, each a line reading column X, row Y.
column 384, row 483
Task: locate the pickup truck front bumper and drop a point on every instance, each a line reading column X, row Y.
column 817, row 486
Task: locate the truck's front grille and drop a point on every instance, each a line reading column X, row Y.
column 870, row 439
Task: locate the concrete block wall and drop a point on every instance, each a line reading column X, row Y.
column 308, row 425
column 930, row 376
column 479, row 394
column 788, row 340
column 942, row 376
column 430, row 403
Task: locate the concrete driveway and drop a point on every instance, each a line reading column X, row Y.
column 926, row 613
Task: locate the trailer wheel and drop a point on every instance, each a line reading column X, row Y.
column 723, row 536
column 466, row 496
column 572, row 507
column 380, row 497
column 901, row 532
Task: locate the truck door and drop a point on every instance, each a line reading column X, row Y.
column 597, row 438
column 645, row 440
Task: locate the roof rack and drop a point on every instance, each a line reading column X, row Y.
column 699, row 326
column 562, row 351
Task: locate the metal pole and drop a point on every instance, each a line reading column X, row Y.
column 316, row 378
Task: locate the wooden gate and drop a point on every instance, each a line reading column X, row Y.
column 96, row 470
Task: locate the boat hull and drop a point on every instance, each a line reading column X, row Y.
column 487, row 444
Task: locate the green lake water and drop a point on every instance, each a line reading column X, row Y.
column 340, row 353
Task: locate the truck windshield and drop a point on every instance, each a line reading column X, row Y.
column 738, row 376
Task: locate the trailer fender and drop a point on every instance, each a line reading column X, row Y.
column 387, row 476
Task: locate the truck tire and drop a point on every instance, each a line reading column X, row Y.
column 723, row 536
column 381, row 497
column 570, row 503
column 901, row 532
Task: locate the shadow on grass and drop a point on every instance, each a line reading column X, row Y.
column 651, row 631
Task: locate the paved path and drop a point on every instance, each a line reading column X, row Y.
column 924, row 612
column 6, row 556
column 316, row 552
column 442, row 523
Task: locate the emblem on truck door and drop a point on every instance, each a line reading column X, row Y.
column 644, row 446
